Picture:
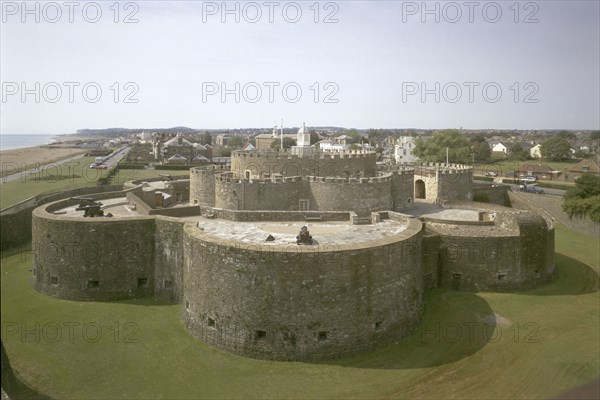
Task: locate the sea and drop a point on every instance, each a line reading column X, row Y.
column 11, row 142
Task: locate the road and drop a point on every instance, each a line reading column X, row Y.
column 515, row 188
column 117, row 156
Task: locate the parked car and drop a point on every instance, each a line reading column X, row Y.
column 93, row 166
column 531, row 189
column 491, row 173
column 530, row 178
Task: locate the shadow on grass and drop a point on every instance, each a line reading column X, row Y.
column 572, row 277
column 455, row 325
column 15, row 387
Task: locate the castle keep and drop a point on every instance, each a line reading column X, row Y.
column 201, row 243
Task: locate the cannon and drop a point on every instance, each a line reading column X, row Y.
column 89, row 206
column 91, row 210
column 304, row 237
column 167, row 177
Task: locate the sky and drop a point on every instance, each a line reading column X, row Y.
column 379, row 64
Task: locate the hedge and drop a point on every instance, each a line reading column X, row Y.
column 131, row 165
column 175, row 167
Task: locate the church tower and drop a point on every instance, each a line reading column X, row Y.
column 303, row 136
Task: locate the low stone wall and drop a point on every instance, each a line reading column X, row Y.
column 138, row 182
column 551, row 206
column 141, row 206
column 180, row 212
column 496, row 194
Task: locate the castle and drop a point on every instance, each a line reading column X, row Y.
column 202, row 243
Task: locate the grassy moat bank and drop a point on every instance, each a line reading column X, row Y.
column 533, row 344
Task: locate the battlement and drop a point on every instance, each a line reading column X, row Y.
column 443, row 168
column 286, row 155
column 210, row 169
column 328, row 179
column 230, row 177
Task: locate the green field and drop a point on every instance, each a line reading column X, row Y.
column 544, row 342
column 51, row 178
column 125, row 175
column 504, row 166
column 74, row 174
column 9, row 171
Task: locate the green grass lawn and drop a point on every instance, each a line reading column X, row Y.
column 9, row 171
column 74, row 174
column 546, row 341
column 50, row 179
column 125, row 175
column 504, row 166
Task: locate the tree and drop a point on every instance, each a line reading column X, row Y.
column 235, row 141
column 434, row 150
column 225, row 151
column 206, row 138
column 481, row 151
column 353, row 134
column 314, row 137
column 583, row 200
column 556, row 149
column 477, row 138
column 287, row 143
column 374, row 134
column 517, row 152
column 583, row 154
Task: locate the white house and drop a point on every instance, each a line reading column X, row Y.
column 535, row 152
column 329, row 145
column 500, row 148
column 403, row 150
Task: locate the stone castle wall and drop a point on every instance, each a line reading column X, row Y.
column 402, row 190
column 297, row 304
column 515, row 251
column 92, row 259
column 361, row 196
column 168, row 259
column 106, row 259
column 260, row 164
column 389, row 192
column 202, row 184
column 241, row 194
column 445, row 181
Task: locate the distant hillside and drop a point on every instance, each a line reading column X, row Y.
column 117, row 132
